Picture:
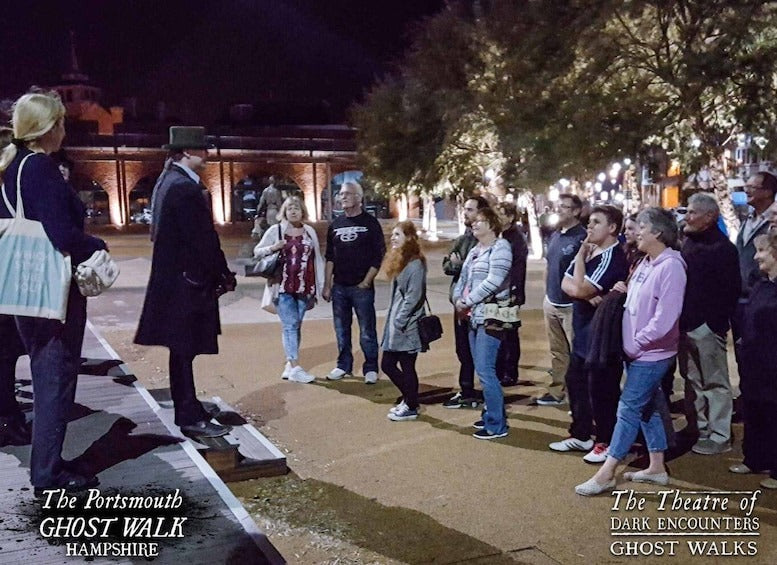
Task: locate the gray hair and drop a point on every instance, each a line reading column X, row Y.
column 661, row 222
column 706, row 203
column 357, row 186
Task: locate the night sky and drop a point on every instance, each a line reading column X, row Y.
column 295, row 60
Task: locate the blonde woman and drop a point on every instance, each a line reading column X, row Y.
column 301, row 279
column 55, row 349
column 405, row 265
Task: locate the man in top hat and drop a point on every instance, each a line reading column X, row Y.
column 188, row 274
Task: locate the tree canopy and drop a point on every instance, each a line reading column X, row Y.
column 538, row 89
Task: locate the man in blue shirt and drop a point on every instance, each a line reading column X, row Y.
column 557, row 305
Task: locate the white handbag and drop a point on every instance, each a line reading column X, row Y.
column 96, row 274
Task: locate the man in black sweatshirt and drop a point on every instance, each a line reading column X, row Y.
column 354, row 251
column 711, row 295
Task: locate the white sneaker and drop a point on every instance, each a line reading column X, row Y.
column 336, row 374
column 370, row 378
column 572, row 444
column 299, row 375
column 598, row 454
column 286, row 370
column 398, row 408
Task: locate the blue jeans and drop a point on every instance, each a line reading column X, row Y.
column 55, row 358
column 291, row 310
column 345, row 301
column 484, row 351
column 639, row 408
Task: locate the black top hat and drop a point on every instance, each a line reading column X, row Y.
column 187, row 137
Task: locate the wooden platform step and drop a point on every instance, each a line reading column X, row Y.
column 242, row 454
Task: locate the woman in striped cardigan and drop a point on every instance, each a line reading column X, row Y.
column 484, row 276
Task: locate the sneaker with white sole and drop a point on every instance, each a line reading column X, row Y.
column 550, row 400
column 286, row 370
column 485, row 434
column 598, row 454
column 572, row 444
column 460, row 401
column 404, row 414
column 336, row 374
column 370, row 377
column 398, row 408
column 299, row 375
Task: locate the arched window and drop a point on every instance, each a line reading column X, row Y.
column 140, row 200
column 94, row 197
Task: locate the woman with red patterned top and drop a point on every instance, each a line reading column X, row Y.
column 301, row 280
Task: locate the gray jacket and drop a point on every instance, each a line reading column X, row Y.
column 406, row 307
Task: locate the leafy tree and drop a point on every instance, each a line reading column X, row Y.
column 704, row 68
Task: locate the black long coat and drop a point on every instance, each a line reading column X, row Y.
column 181, row 307
column 758, row 350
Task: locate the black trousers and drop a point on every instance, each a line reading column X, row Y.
column 508, row 356
column 760, row 435
column 466, row 363
column 593, row 396
column 11, row 349
column 188, row 410
column 400, row 368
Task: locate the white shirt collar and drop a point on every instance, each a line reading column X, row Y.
column 194, row 176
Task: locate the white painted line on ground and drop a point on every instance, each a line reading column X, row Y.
column 237, row 509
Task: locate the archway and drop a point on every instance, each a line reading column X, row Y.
column 94, row 198
column 140, row 200
column 247, row 193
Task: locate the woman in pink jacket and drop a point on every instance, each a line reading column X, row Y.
column 650, row 338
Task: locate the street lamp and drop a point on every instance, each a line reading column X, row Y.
column 604, row 195
column 553, row 194
column 627, row 161
column 601, row 177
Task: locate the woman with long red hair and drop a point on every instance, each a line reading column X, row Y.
column 405, row 266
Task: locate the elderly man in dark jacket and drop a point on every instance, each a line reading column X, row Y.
column 188, row 273
column 711, row 296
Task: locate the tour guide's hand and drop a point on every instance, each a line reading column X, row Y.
column 326, row 293
column 363, row 285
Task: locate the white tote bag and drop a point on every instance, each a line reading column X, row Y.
column 34, row 275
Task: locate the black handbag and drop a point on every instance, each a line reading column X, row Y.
column 269, row 266
column 429, row 327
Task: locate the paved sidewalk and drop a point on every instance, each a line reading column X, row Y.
column 492, row 502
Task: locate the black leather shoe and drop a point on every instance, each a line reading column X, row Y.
column 211, row 408
column 72, row 483
column 14, row 431
column 205, row 428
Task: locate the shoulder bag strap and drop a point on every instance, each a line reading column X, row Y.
column 8, row 203
column 19, row 204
